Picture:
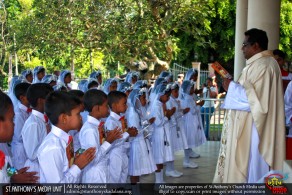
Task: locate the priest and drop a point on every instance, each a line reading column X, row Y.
column 253, row 135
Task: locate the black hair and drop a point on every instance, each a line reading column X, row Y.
column 60, row 102
column 68, row 73
column 115, row 97
column 209, row 79
column 41, row 70
column 92, row 98
column 21, row 89
column 91, row 84
column 77, row 93
column 279, row 53
column 4, row 105
column 257, row 36
column 36, row 91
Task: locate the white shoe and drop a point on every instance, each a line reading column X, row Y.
column 194, row 155
column 180, row 173
column 172, row 174
column 192, row 165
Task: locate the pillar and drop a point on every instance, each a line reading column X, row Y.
column 240, row 28
column 265, row 15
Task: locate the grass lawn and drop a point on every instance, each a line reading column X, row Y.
column 216, row 127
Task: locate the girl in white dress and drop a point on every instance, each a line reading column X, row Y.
column 51, row 79
column 38, row 73
column 65, row 79
column 192, row 122
column 154, row 89
column 125, row 87
column 132, row 77
column 192, row 75
column 98, row 76
column 27, row 76
column 161, row 142
column 110, row 85
column 177, row 130
column 140, row 160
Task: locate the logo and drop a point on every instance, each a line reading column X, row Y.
column 275, row 183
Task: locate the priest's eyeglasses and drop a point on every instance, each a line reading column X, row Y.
column 246, row 44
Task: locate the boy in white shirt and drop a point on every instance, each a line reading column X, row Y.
column 56, row 154
column 18, row 153
column 6, row 132
column 36, row 126
column 118, row 163
column 91, row 135
column 75, row 133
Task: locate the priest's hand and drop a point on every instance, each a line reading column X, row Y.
column 225, row 84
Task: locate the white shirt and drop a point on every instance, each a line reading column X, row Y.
column 33, row 133
column 111, row 123
column 84, row 115
column 17, row 147
column 89, row 137
column 20, row 117
column 54, row 166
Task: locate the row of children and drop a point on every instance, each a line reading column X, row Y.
column 124, row 133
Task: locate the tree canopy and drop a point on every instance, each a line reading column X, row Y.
column 86, row 35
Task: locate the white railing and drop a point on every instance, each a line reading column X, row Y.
column 216, row 119
column 178, row 69
column 204, row 74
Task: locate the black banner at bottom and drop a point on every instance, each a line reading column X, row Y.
column 164, row 189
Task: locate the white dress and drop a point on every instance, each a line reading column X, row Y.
column 193, row 123
column 96, row 171
column 118, row 160
column 161, row 141
column 17, row 149
column 140, row 159
column 33, row 133
column 177, row 130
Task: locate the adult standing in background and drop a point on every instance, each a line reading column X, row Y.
column 286, row 75
column 209, row 91
column 253, row 136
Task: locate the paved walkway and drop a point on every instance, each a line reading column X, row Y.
column 203, row 174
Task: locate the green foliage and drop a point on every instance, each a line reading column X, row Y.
column 35, row 61
column 286, row 27
column 87, row 35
